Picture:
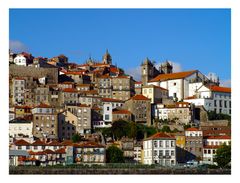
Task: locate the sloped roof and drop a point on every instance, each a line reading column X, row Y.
column 38, row 143
column 121, row 111
column 220, row 89
column 177, row 75
column 140, row 97
column 160, row 135
column 192, row 129
column 219, row 137
column 111, row 100
column 21, row 143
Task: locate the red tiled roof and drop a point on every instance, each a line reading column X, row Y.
column 121, row 111
column 161, row 135
column 49, row 151
column 138, row 82
column 219, row 137
column 76, row 72
column 220, row 89
column 111, row 100
column 192, row 129
column 92, row 92
column 19, row 78
column 177, row 75
column 140, row 97
column 124, row 77
column 38, row 143
column 60, row 151
column 21, row 143
column 67, row 143
column 54, row 143
column 42, row 105
column 70, row 90
column 88, row 144
column 104, row 76
column 23, row 107
column 83, row 105
column 114, row 69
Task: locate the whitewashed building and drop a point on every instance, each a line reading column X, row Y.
column 211, row 144
column 180, row 84
column 212, row 98
column 155, row 93
column 160, row 149
column 20, row 129
column 20, row 59
column 180, row 112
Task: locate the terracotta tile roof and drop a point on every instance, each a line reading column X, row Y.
column 21, row 143
column 139, row 97
column 60, row 151
column 76, row 72
column 219, row 137
column 220, row 89
column 123, row 77
column 121, row 111
column 83, row 105
column 19, row 78
column 216, row 132
column 161, row 135
column 138, row 82
column 192, row 129
column 23, row 107
column 114, row 69
column 42, row 105
column 67, row 143
column 38, row 143
column 54, row 143
column 49, row 151
column 111, row 100
column 92, row 92
column 177, row 75
column 88, row 144
column 70, row 90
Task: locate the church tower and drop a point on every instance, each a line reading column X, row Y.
column 166, row 68
column 107, row 59
column 147, row 71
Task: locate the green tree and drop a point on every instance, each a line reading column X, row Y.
column 120, row 128
column 166, row 129
column 186, row 126
column 76, row 138
column 223, row 155
column 114, row 155
column 132, row 130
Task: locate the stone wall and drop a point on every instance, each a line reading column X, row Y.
column 22, row 71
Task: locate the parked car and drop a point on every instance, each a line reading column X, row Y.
column 191, row 163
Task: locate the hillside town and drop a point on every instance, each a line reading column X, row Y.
column 63, row 113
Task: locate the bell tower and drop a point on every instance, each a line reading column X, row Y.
column 107, row 59
column 147, row 71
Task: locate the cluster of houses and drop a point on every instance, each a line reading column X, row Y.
column 51, row 100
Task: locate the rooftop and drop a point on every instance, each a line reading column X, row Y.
column 177, row 75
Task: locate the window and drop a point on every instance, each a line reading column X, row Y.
column 106, row 117
column 172, row 153
column 160, row 152
column 155, row 143
column 166, row 152
column 107, row 108
column 155, row 153
column 172, row 143
column 225, row 104
column 174, row 84
column 160, row 143
column 167, row 143
column 215, row 103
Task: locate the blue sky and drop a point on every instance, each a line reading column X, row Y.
column 190, row 38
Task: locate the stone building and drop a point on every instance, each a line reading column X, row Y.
column 155, row 93
column 83, row 113
column 45, row 122
column 122, row 87
column 104, row 85
column 140, row 107
column 194, row 144
column 41, row 94
column 68, row 125
column 121, row 114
